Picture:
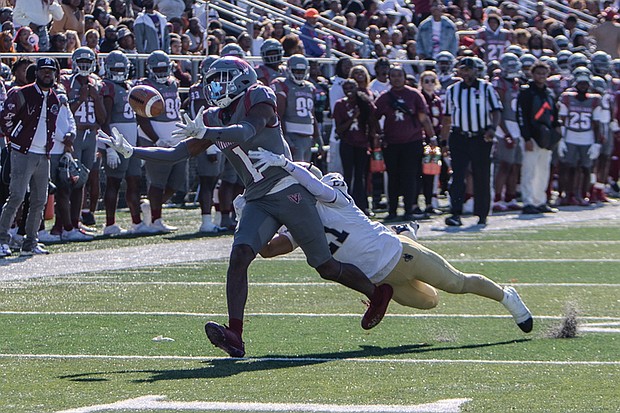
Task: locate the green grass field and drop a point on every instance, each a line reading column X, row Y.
column 84, row 342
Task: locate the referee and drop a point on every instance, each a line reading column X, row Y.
column 472, row 112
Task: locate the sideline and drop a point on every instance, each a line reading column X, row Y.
column 219, row 248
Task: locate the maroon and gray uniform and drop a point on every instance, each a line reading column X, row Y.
column 579, row 116
column 162, row 176
column 122, row 118
column 508, row 151
column 273, row 197
column 298, row 117
column 85, row 144
column 267, row 74
column 494, row 42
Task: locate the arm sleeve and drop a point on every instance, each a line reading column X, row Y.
column 156, row 154
column 322, row 192
column 240, row 132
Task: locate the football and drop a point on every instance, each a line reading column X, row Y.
column 146, row 101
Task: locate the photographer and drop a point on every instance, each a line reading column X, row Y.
column 406, row 118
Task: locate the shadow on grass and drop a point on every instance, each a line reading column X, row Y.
column 226, row 367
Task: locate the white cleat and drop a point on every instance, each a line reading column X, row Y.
column 514, row 304
column 211, row 228
column 141, row 228
column 160, row 226
column 114, row 229
column 75, row 235
column 45, row 236
column 5, row 250
column 38, row 249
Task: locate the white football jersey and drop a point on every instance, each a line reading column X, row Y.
column 356, row 240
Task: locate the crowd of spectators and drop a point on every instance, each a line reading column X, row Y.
column 365, row 106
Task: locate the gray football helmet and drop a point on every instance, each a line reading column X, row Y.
column 563, row 57
column 272, row 52
column 527, row 60
column 510, row 66
column 298, row 68
column 158, row 66
column 515, row 49
column 84, row 61
column 599, row 85
column 444, row 63
column 232, row 49
column 227, row 80
column 582, row 74
column 206, row 64
column 481, row 67
column 116, row 66
column 600, row 63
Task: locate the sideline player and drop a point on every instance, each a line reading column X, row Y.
column 164, row 180
column 115, row 92
column 411, row 269
column 245, row 119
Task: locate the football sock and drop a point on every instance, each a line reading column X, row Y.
column 236, row 325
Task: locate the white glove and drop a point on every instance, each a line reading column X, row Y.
column 112, row 158
column 239, row 203
column 191, row 128
column 117, row 142
column 265, row 159
column 562, row 148
column 594, row 150
column 614, row 126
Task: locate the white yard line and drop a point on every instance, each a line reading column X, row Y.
column 309, row 315
column 154, row 402
column 311, row 359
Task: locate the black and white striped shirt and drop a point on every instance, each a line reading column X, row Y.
column 470, row 107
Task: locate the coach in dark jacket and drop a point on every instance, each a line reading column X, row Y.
column 472, row 112
column 29, row 121
column 537, row 114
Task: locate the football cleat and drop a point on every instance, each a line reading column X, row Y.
column 114, row 229
column 46, row 236
column 141, row 228
column 37, row 249
column 521, row 314
column 160, row 226
column 5, row 250
column 226, row 339
column 211, row 228
column 75, row 235
column 378, row 306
